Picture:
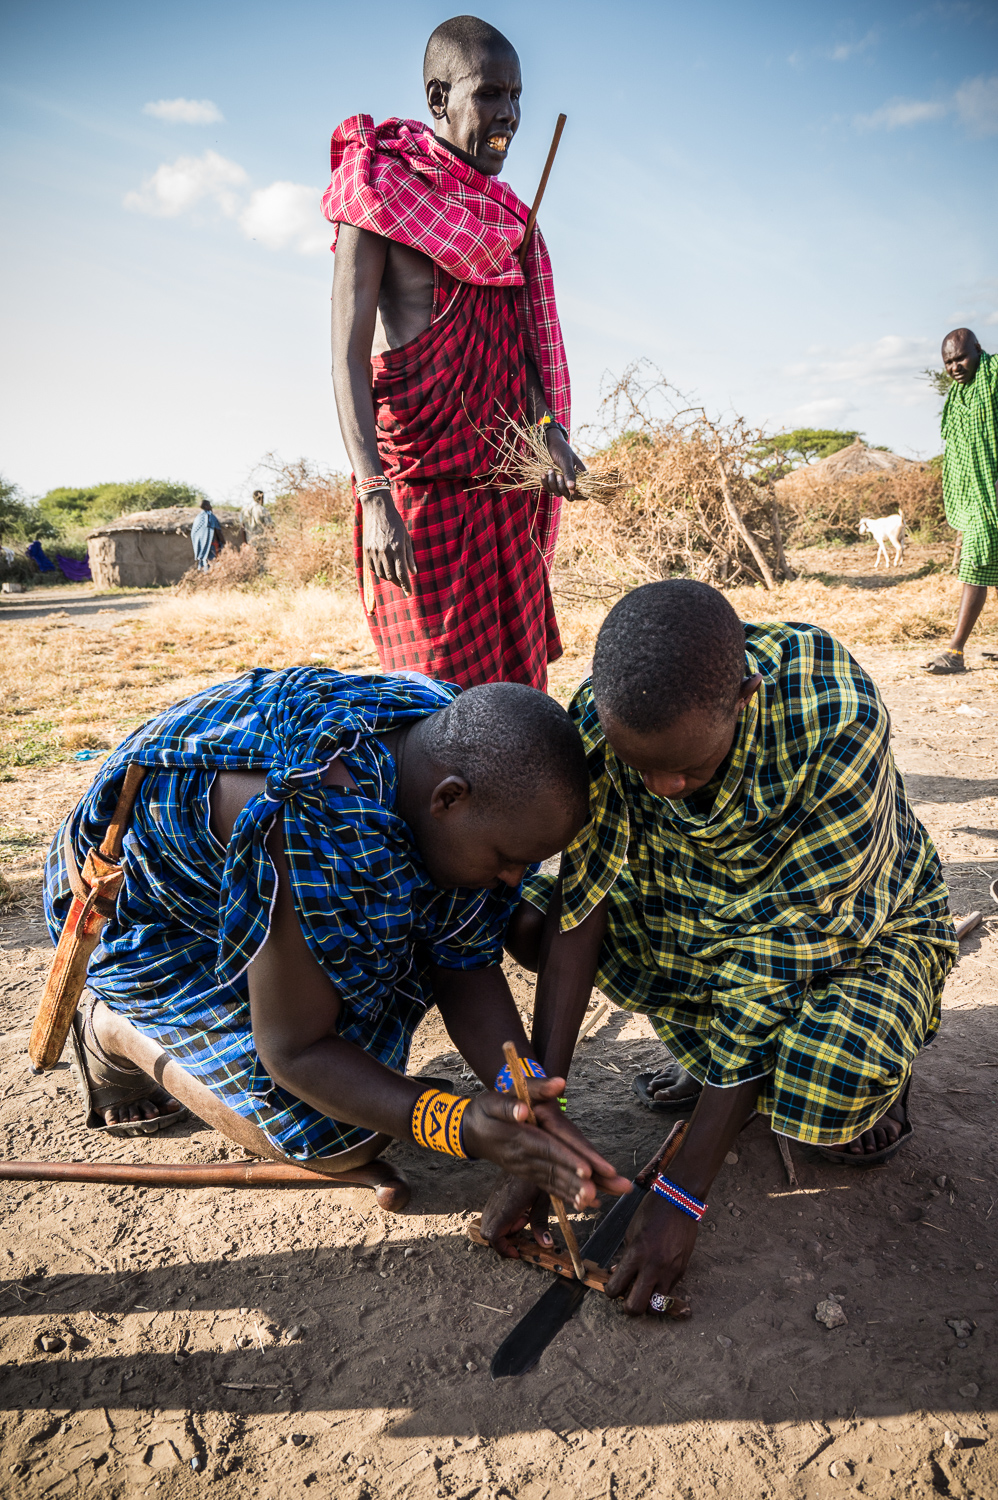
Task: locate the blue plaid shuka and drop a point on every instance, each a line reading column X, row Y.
column 193, row 914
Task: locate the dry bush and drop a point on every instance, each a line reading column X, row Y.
column 686, row 503
column 817, row 510
column 233, row 566
column 312, row 537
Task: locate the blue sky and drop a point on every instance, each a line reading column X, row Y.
column 783, row 206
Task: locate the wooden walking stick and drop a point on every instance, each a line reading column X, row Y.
column 95, row 889
column 523, row 1094
column 528, row 233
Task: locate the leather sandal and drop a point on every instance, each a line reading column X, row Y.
column 105, row 1084
column 946, row 664
column 864, row 1160
column 641, row 1085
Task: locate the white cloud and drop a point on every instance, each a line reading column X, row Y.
column 285, row 215
column 902, row 112
column 977, row 105
column 991, row 318
column 845, row 50
column 892, row 365
column 177, row 186
column 184, row 111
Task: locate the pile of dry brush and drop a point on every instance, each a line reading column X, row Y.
column 680, row 493
column 670, row 492
column 684, row 498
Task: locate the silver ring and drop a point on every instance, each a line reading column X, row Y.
column 659, row 1302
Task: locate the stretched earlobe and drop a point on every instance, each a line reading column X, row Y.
column 437, row 97
column 750, row 686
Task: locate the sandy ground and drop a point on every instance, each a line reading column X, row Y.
column 264, row 1343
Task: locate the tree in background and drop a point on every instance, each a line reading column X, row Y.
column 19, row 519
column 785, row 451
column 939, row 381
column 72, row 509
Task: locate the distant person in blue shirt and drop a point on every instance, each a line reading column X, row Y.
column 207, row 536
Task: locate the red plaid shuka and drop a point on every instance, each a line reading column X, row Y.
column 482, row 610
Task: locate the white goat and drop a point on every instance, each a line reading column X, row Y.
column 886, row 529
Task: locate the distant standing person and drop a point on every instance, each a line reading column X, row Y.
column 440, row 340
column 207, row 536
column 970, row 474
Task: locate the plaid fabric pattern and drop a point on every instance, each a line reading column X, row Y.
column 397, row 181
column 192, row 914
column 789, row 922
column 970, row 471
column 481, row 610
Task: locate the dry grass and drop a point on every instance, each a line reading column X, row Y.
column 71, row 687
column 68, row 687
column 232, row 568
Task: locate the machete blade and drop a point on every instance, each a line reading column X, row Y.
column 521, row 1349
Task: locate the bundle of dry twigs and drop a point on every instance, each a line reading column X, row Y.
column 523, row 460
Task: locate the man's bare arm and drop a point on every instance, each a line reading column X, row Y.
column 295, row 1008
column 565, row 975
column 358, row 272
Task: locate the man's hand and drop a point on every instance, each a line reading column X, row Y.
column 658, row 1248
column 387, row 544
column 552, row 1155
column 512, row 1205
column 561, row 480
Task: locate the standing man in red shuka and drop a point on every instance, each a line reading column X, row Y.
column 439, row 341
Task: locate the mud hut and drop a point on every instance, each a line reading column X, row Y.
column 855, row 462
column 148, row 547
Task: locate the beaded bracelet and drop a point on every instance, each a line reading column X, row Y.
column 549, row 421
column 679, row 1196
column 504, row 1081
column 437, row 1122
column 375, row 482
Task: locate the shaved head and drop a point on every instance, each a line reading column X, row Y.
column 961, row 355
column 962, row 336
column 458, row 42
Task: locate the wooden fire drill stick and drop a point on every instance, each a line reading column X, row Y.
column 523, row 1094
column 528, row 233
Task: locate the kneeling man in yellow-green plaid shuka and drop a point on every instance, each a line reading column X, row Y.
column 754, row 880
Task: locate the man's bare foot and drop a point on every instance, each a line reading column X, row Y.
column 670, row 1088
column 119, row 1097
column 883, row 1137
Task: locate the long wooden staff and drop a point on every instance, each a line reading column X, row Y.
column 523, row 1094
column 528, row 233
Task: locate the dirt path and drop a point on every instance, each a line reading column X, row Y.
column 266, row 1343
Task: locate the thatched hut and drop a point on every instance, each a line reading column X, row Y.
column 857, row 461
column 150, row 547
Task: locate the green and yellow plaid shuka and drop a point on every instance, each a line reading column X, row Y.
column 970, row 471
column 790, row 922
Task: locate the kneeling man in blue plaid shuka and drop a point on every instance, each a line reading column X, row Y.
column 753, row 879
column 313, row 860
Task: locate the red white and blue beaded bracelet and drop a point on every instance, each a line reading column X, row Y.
column 677, row 1195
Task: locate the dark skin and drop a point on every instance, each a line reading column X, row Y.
column 961, row 356
column 383, row 298
column 295, row 1007
column 674, row 763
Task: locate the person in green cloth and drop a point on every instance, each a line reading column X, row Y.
column 753, row 880
column 970, row 474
